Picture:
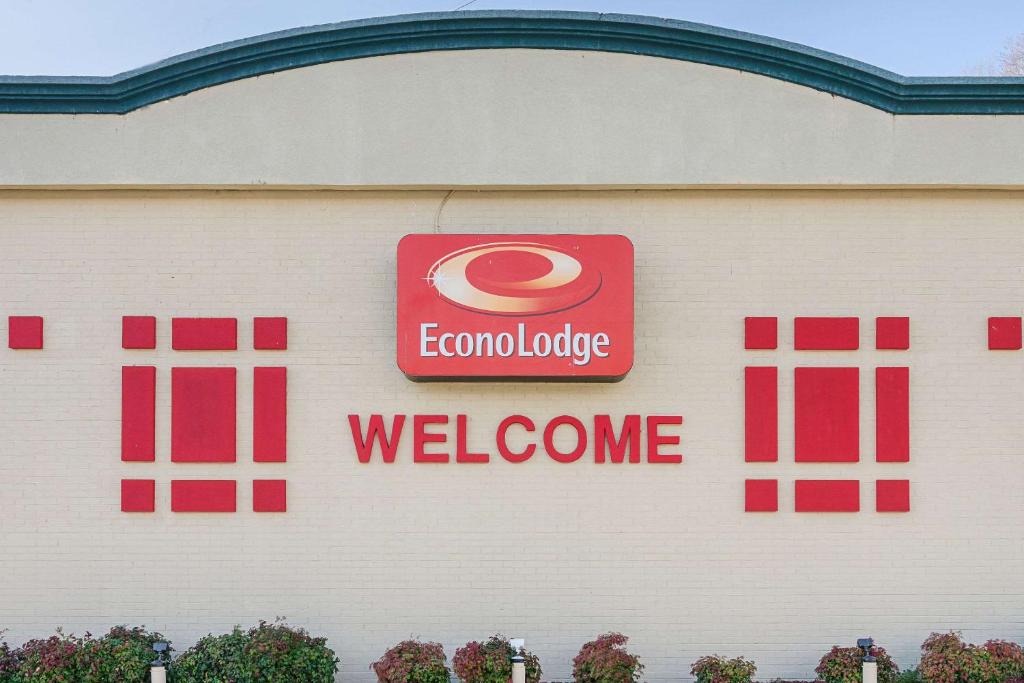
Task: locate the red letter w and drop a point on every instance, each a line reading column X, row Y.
column 376, row 433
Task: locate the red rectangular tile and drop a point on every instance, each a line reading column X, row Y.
column 1004, row 334
column 827, row 415
column 203, row 414
column 138, row 495
column 892, row 333
column 270, row 415
column 826, row 334
column 761, row 333
column 138, row 332
column 837, row 495
column 203, row 495
column 270, row 495
column 761, row 414
column 892, row 495
column 25, row 332
column 761, row 495
column 138, row 413
column 892, row 414
column 204, row 334
column 270, row 334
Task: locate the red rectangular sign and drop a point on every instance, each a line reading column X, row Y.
column 515, row 306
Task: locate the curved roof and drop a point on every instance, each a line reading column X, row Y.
column 485, row 29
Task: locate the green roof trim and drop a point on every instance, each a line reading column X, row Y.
column 485, row 29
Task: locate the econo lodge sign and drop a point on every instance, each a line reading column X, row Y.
column 515, row 306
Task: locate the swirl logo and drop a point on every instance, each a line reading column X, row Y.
column 513, row 278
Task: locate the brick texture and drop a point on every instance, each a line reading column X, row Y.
column 368, row 554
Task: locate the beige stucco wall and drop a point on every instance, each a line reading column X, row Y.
column 510, row 117
column 370, row 554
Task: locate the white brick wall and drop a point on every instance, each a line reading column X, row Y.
column 370, row 554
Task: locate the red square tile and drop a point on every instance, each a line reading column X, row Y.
column 826, row 334
column 1004, row 334
column 835, row 495
column 892, row 333
column 892, row 495
column 138, row 332
column 761, row 414
column 761, row 495
column 270, row 495
column 138, row 413
column 827, row 415
column 204, row 334
column 203, row 415
column 270, row 334
column 203, row 495
column 270, row 415
column 892, row 414
column 25, row 332
column 761, row 333
column 138, row 495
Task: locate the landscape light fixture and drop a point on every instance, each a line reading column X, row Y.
column 866, row 644
column 159, row 648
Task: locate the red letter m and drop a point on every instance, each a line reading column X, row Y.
column 604, row 435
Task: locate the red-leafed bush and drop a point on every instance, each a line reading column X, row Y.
column 1007, row 657
column 10, row 661
column 844, row 665
column 715, row 669
column 57, row 659
column 491, row 662
column 412, row 661
column 946, row 658
column 606, row 660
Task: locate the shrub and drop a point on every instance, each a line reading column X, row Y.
column 908, row 676
column 10, row 661
column 715, row 669
column 214, row 659
column 606, row 660
column 278, row 653
column 124, row 654
column 843, row 665
column 491, row 662
column 946, row 658
column 412, row 661
column 267, row 653
column 1007, row 657
column 57, row 659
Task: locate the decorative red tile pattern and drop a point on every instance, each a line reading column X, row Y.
column 827, row 415
column 761, row 495
column 892, row 333
column 892, row 414
column 138, row 414
column 138, row 495
column 270, row 334
column 25, row 332
column 203, row 415
column 836, row 495
column 761, row 333
column 892, row 495
column 826, row 334
column 270, row 415
column 203, row 495
column 269, row 495
column 1004, row 334
column 204, row 334
column 761, row 414
column 138, row 332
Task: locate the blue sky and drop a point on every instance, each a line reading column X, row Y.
column 103, row 37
